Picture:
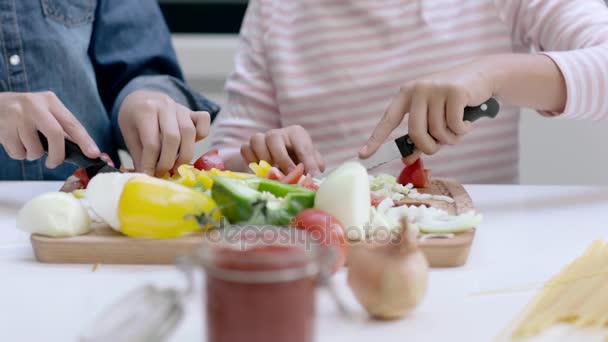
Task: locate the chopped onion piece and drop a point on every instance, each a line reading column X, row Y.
column 424, row 237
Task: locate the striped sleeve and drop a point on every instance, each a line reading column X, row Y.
column 251, row 106
column 574, row 34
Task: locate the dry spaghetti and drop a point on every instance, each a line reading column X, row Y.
column 577, row 295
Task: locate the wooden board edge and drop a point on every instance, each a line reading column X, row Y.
column 452, row 252
column 48, row 250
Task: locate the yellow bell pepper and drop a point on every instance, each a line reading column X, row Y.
column 260, row 169
column 205, row 179
column 159, row 209
column 229, row 174
column 189, row 176
column 186, row 175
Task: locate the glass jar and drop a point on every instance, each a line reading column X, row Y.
column 260, row 284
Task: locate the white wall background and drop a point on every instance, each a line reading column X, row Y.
column 552, row 151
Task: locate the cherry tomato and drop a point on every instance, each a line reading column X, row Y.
column 82, row 176
column 415, row 174
column 294, row 176
column 326, row 230
column 275, row 174
column 209, row 161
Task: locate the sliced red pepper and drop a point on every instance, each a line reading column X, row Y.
column 294, row 176
column 209, row 161
column 415, row 174
column 82, row 176
column 275, row 174
column 308, row 182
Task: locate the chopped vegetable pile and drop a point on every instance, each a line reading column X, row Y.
column 426, row 220
column 386, row 186
column 197, row 197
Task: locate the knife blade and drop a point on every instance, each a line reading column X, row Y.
column 74, row 155
column 403, row 146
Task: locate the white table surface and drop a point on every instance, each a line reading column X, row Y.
column 528, row 234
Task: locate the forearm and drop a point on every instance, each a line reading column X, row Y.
column 525, row 80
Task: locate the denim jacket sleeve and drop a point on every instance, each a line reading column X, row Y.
column 131, row 49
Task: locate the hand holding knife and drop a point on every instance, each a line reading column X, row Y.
column 74, row 155
column 403, row 146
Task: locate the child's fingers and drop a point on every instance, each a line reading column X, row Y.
column 455, row 104
column 437, row 122
column 259, row 148
column 418, row 128
column 391, row 119
column 247, row 154
column 305, row 150
column 412, row 157
column 307, row 157
column 278, row 151
column 320, row 160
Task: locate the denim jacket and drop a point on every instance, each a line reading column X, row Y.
column 92, row 54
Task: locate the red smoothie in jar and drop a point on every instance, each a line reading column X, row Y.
column 262, row 292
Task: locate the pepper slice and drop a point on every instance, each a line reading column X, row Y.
column 260, row 169
column 235, row 198
column 260, row 201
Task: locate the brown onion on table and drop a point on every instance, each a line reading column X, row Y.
column 388, row 278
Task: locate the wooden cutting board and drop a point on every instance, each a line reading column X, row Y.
column 105, row 246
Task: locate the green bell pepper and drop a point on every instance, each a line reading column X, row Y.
column 260, row 201
column 236, row 199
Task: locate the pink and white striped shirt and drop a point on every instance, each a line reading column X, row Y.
column 333, row 66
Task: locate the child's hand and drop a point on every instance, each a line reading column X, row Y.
column 22, row 115
column 159, row 132
column 435, row 104
column 284, row 147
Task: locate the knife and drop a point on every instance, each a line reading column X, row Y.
column 74, row 155
column 403, row 146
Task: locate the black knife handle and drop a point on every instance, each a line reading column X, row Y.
column 488, row 109
column 73, row 153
